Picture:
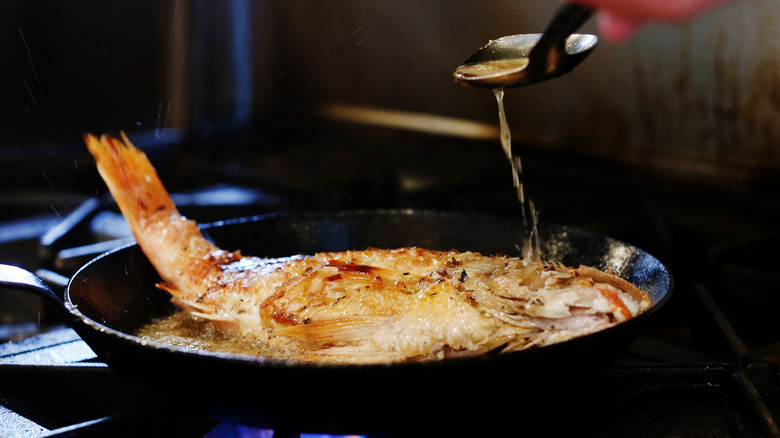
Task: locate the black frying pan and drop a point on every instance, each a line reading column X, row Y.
column 112, row 296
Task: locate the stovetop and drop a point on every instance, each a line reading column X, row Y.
column 706, row 365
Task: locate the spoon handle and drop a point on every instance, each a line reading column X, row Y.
column 567, row 20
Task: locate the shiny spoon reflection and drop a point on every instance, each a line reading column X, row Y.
column 526, row 59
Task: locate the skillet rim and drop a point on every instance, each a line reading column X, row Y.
column 266, row 362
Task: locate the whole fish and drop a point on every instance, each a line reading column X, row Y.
column 374, row 305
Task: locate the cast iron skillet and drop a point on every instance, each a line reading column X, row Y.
column 108, row 299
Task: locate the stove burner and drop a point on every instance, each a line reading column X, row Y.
column 708, row 366
column 655, row 386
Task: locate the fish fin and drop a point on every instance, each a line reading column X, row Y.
column 353, row 354
column 184, row 301
column 333, row 331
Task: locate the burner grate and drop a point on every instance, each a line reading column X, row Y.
column 707, row 366
column 53, row 384
column 654, row 387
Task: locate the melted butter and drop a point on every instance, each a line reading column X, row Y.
column 490, row 68
column 183, row 331
column 531, row 245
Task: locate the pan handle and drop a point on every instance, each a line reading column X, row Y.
column 18, row 278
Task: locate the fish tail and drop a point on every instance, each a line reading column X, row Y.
column 174, row 245
column 130, row 177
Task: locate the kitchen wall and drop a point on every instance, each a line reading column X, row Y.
column 68, row 67
column 701, row 97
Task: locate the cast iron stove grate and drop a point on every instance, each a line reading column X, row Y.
column 712, row 384
column 55, row 386
column 705, row 367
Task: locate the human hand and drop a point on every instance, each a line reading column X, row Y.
column 619, row 19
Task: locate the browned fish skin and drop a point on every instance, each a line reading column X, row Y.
column 368, row 306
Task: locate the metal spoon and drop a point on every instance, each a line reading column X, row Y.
column 526, row 59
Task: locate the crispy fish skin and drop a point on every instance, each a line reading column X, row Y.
column 365, row 306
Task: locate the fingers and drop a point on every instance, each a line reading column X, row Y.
column 619, row 19
column 655, row 10
column 616, row 28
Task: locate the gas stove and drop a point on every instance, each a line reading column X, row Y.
column 706, row 366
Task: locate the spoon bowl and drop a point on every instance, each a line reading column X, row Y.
column 525, row 59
